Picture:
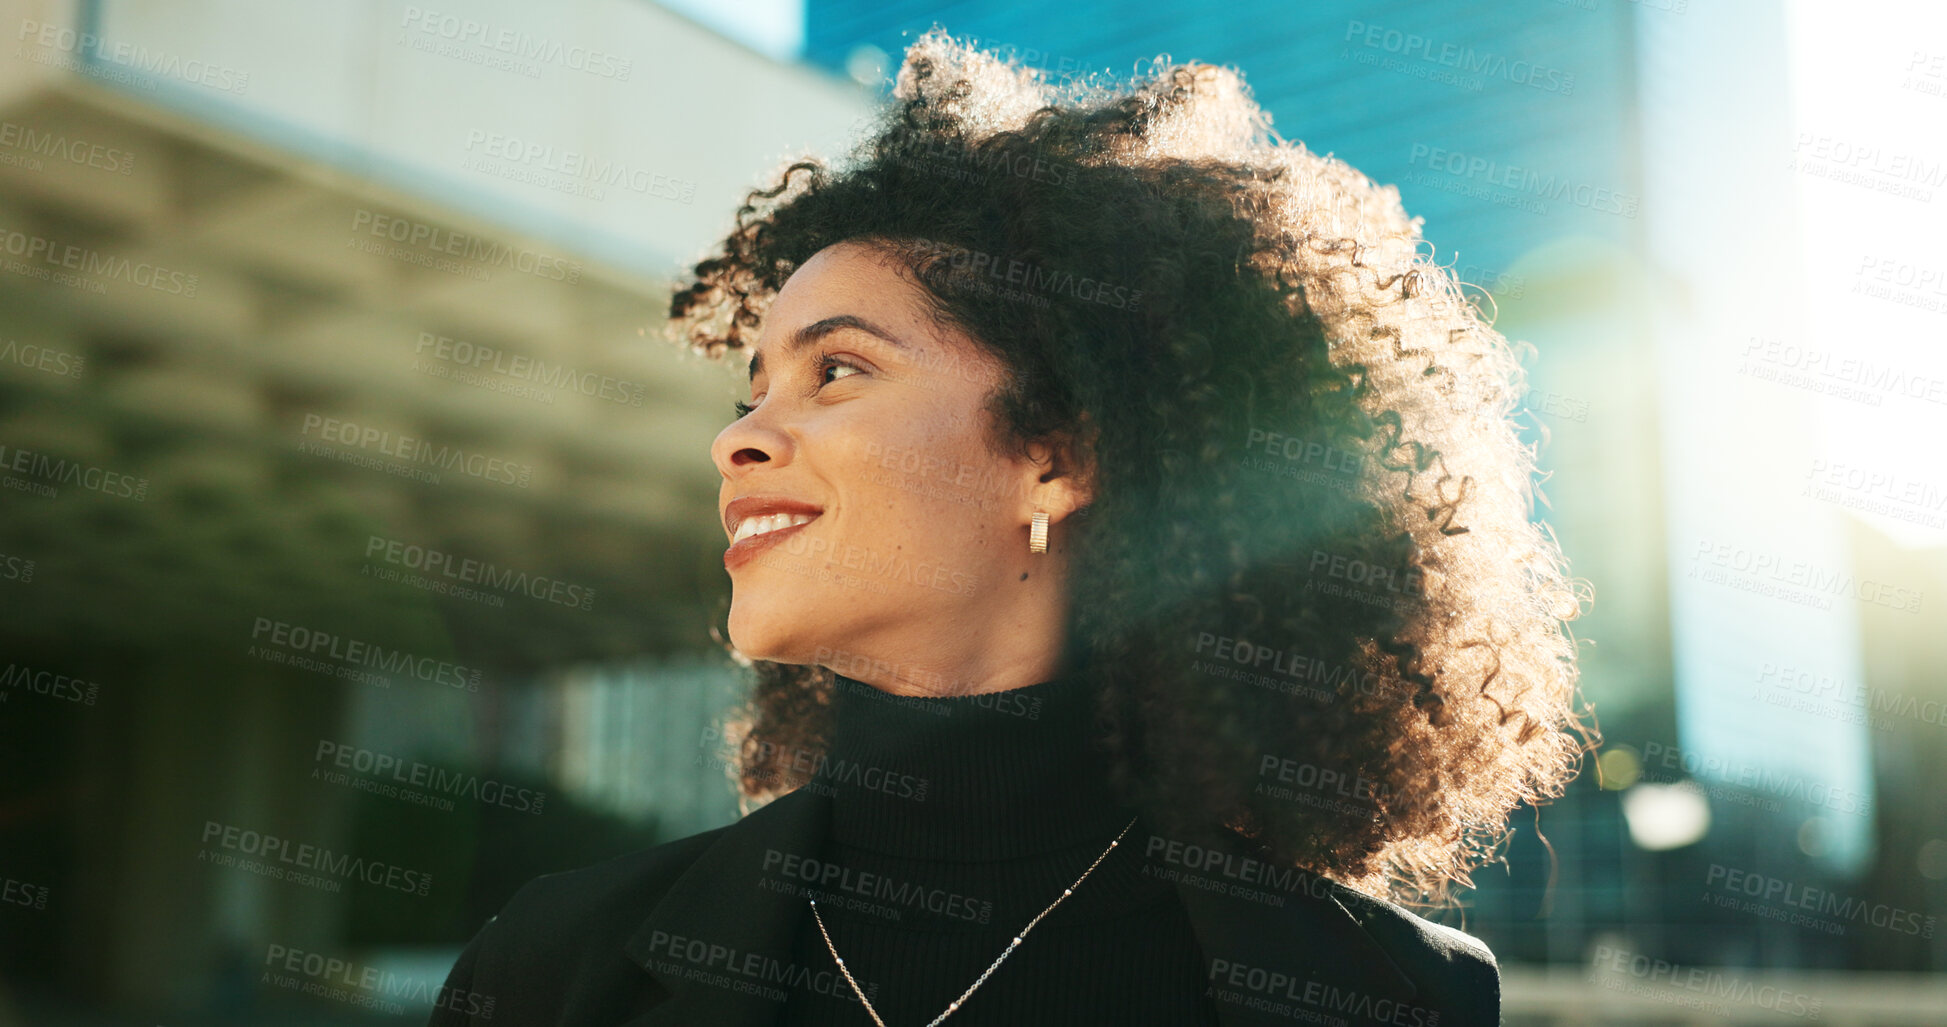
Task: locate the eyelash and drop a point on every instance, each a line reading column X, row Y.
column 824, row 362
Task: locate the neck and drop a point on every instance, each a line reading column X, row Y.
column 982, row 776
column 974, row 676
column 1021, row 640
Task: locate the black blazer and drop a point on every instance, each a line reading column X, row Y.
column 683, row 935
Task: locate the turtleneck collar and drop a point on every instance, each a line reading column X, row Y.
column 967, row 778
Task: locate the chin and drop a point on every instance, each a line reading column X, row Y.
column 763, row 629
column 751, row 632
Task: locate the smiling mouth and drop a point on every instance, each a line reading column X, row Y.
column 757, row 534
column 750, row 527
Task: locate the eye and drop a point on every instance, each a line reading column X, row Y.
column 824, row 363
column 830, row 362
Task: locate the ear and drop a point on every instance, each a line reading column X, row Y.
column 1065, row 474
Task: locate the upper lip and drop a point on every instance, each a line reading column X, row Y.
column 762, row 506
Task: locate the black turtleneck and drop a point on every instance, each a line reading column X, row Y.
column 955, row 820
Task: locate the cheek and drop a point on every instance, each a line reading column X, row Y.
column 923, row 490
column 916, row 474
column 962, row 491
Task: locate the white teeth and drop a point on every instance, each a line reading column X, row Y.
column 772, row 522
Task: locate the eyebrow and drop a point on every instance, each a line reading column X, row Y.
column 825, row 326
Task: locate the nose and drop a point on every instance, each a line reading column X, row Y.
column 747, row 443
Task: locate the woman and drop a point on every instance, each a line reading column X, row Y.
column 1131, row 544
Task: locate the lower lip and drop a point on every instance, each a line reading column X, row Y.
column 746, row 551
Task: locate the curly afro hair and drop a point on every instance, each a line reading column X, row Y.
column 1309, row 596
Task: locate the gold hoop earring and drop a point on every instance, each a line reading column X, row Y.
column 1038, row 533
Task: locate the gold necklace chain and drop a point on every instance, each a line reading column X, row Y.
column 954, row 1006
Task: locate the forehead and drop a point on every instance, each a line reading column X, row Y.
column 846, row 273
column 860, row 287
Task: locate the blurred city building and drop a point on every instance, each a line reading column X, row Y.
column 354, row 498
column 1572, row 159
column 354, row 501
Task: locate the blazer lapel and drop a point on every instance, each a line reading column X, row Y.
column 1307, row 952
column 719, row 940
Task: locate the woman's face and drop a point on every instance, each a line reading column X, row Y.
column 888, row 533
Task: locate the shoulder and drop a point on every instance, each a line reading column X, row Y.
column 1453, row 969
column 559, row 944
column 574, row 901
